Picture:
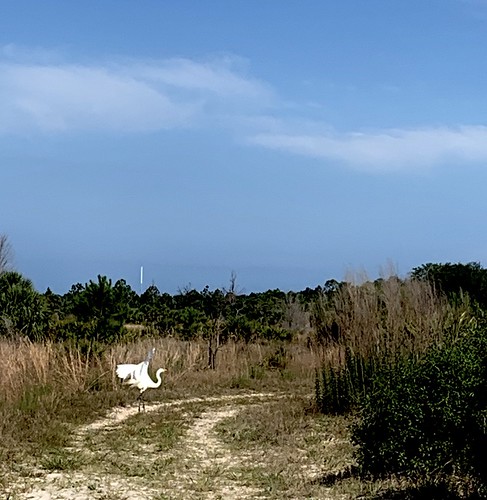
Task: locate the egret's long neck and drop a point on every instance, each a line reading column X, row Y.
column 159, row 378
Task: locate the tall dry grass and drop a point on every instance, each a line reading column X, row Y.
column 387, row 318
column 369, row 326
column 251, row 366
column 27, row 364
column 47, row 388
column 62, row 368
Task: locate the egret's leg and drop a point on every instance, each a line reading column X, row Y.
column 141, row 401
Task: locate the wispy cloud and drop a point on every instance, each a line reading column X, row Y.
column 65, row 98
column 41, row 92
column 130, row 96
column 26, row 54
column 387, row 150
column 218, row 76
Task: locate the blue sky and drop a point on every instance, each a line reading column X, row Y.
column 288, row 141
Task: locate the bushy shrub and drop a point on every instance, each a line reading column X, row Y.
column 426, row 416
column 21, row 307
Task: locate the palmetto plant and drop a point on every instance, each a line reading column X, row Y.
column 21, row 307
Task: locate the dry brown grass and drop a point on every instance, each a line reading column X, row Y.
column 48, row 386
column 239, row 365
column 28, row 364
column 48, row 389
column 398, row 317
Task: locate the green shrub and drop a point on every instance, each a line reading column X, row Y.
column 21, row 307
column 426, row 416
column 339, row 388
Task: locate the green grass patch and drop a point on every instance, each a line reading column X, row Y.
column 61, row 460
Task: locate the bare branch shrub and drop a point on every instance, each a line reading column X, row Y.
column 6, row 253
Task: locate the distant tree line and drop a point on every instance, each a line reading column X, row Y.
column 104, row 311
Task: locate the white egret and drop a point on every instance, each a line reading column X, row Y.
column 138, row 376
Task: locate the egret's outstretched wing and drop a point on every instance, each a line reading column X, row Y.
column 127, row 370
column 135, row 371
column 138, row 375
column 150, row 355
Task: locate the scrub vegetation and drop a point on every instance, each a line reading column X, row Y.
column 370, row 389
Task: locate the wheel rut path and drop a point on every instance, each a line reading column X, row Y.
column 205, row 464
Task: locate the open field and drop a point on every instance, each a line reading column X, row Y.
column 246, row 430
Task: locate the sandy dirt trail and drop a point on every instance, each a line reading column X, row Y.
column 203, row 458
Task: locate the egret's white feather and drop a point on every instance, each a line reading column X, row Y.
column 137, row 375
column 127, row 370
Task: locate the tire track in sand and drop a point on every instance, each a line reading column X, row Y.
column 205, row 462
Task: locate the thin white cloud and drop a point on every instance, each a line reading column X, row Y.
column 51, row 96
column 126, row 97
column 20, row 53
column 218, row 77
column 388, row 150
column 68, row 98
